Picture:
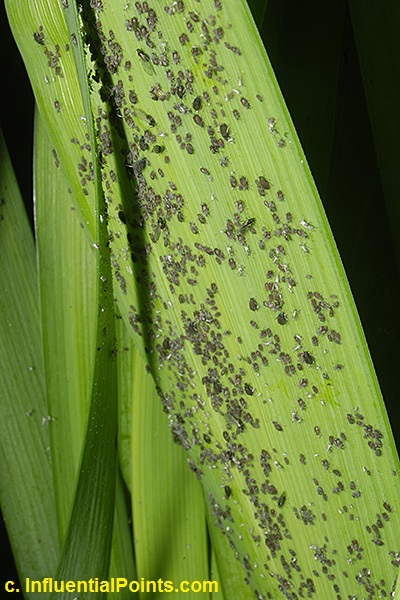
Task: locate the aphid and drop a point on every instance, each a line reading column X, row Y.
column 243, row 184
column 224, row 131
column 197, row 103
column 277, row 426
column 39, row 37
column 281, row 318
column 245, row 225
column 138, row 166
column 248, row 389
column 228, row 491
column 377, row 541
column 205, row 210
column 282, row 499
column 145, row 60
column 245, row 103
column 308, row 358
column 143, row 144
column 253, row 304
column 150, row 120
column 198, row 120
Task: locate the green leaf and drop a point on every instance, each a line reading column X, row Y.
column 229, row 278
column 67, row 269
column 27, row 500
column 87, row 548
column 170, row 532
column 67, row 278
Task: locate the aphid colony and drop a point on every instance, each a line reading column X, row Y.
column 185, row 318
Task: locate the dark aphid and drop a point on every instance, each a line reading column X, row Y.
column 308, row 358
column 39, row 37
column 161, row 222
column 157, row 149
column 228, row 491
column 150, row 120
column 377, row 541
column 146, row 63
column 205, row 210
column 145, row 57
column 253, row 304
column 387, row 507
column 246, row 224
column 138, row 166
column 263, row 183
column 245, row 103
column 180, row 90
column 224, row 131
column 248, row 389
column 121, row 216
column 198, row 120
column 243, row 183
column 281, row 318
column 205, row 171
column 277, row 426
column 282, row 499
column 143, row 144
column 197, row 103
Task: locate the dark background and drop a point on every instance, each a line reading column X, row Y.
column 351, row 192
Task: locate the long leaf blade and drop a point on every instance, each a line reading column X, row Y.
column 26, row 487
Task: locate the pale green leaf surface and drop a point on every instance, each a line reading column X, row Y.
column 27, row 500
column 293, row 411
column 87, row 549
column 54, row 81
column 122, row 565
column 215, row 576
column 169, row 524
column 228, row 572
column 67, row 275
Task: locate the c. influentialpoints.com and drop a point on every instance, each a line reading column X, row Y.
column 115, row 584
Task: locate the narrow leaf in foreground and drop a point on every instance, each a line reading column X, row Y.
column 86, row 554
column 67, row 276
column 26, row 487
